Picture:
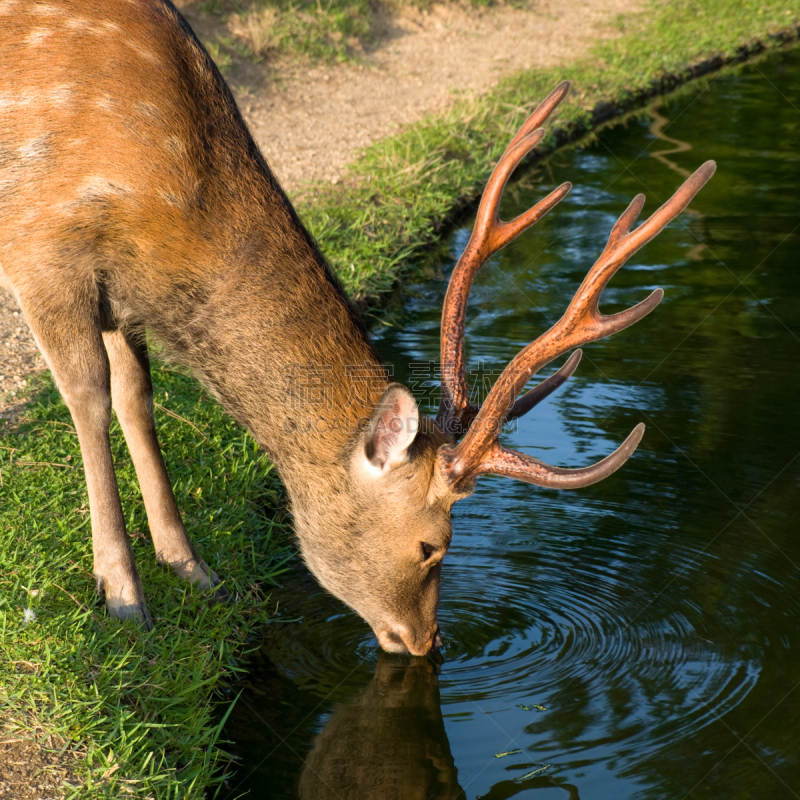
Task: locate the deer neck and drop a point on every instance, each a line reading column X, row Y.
column 284, row 354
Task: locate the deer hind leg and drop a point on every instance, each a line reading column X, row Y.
column 68, row 333
column 132, row 398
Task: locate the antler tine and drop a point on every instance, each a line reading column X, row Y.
column 542, row 112
column 535, row 396
column 496, row 234
column 488, row 236
column 532, row 398
column 625, row 222
column 581, row 323
column 623, row 243
column 513, row 464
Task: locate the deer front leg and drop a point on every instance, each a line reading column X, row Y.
column 132, row 398
column 74, row 350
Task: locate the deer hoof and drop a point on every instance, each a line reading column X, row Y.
column 136, row 612
column 203, row 577
column 127, row 604
column 221, row 595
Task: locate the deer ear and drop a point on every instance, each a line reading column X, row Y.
column 391, row 429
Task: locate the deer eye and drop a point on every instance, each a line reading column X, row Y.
column 427, row 550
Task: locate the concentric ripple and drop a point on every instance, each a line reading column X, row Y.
column 566, row 619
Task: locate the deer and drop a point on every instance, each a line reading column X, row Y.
column 135, row 207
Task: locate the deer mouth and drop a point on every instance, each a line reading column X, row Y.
column 402, row 640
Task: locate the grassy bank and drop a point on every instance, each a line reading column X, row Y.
column 137, row 709
column 336, row 30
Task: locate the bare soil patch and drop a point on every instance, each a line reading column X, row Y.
column 32, row 771
column 19, row 358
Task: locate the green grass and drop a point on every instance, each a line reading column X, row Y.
column 327, row 30
column 139, row 710
column 332, row 30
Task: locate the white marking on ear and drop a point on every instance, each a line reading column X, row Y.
column 391, row 430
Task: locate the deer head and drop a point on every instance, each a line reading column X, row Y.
column 405, row 470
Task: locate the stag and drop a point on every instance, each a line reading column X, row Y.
column 135, row 206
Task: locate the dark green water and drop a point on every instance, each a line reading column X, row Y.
column 656, row 615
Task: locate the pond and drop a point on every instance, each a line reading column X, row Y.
column 639, row 638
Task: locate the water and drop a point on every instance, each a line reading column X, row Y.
column 654, row 616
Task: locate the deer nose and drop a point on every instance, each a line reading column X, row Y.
column 402, row 640
column 434, row 642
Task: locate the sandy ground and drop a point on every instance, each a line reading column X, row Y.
column 311, row 120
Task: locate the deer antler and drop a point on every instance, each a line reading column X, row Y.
column 488, row 236
column 479, row 451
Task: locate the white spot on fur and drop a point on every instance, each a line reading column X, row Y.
column 32, row 218
column 104, row 103
column 11, row 101
column 46, row 11
column 35, row 148
column 59, row 95
column 139, row 50
column 149, row 109
column 37, row 36
column 78, row 23
column 98, row 187
column 8, row 184
column 171, row 199
column 175, row 146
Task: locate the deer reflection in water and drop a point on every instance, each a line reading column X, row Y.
column 390, row 743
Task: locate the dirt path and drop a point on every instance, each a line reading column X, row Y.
column 311, row 120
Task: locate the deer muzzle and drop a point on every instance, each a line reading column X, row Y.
column 399, row 638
